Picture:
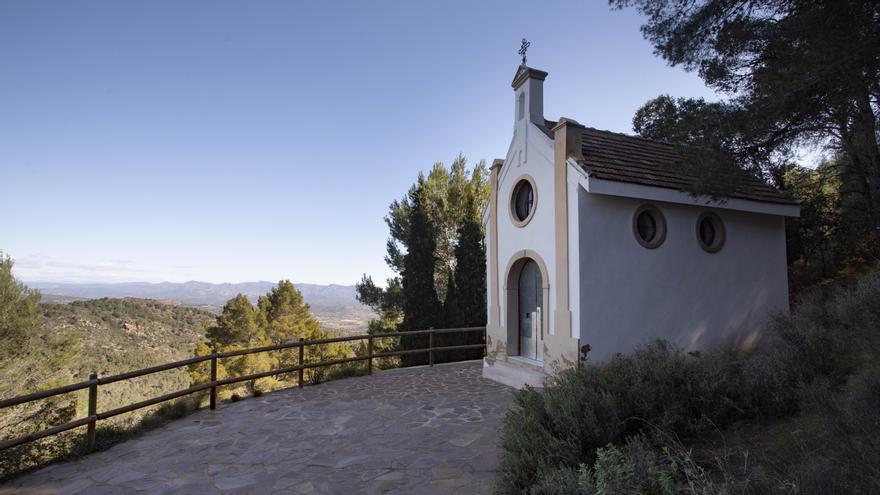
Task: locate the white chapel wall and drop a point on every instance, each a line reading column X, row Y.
column 531, row 153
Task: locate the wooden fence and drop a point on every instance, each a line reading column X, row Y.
column 94, row 380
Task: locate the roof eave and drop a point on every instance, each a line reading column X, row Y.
column 653, row 193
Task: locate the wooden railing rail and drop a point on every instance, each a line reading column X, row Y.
column 94, row 380
column 155, row 369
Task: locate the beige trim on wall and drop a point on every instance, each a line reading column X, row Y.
column 511, row 296
column 510, row 201
column 522, row 255
column 494, row 308
column 567, row 143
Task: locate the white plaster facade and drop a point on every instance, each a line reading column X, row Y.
column 599, row 285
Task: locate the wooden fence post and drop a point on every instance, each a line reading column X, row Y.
column 301, row 360
column 431, row 347
column 370, row 355
column 214, row 379
column 93, row 410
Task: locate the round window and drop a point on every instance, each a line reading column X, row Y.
column 646, row 226
column 649, row 226
column 522, row 202
column 710, row 232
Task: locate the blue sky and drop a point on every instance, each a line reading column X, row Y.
column 238, row 141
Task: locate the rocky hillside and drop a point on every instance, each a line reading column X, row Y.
column 108, row 336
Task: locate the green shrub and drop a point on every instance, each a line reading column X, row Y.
column 819, row 358
column 346, row 370
column 655, row 388
column 833, row 334
column 635, row 468
column 851, row 426
column 563, row 480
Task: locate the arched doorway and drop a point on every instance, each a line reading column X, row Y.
column 530, row 321
column 527, row 297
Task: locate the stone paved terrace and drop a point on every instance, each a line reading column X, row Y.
column 405, row 431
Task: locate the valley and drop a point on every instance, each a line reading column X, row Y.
column 335, row 306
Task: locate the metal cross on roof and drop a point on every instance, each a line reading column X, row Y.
column 522, row 49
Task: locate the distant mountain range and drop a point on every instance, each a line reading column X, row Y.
column 336, row 306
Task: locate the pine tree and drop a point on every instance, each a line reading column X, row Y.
column 236, row 325
column 795, row 73
column 446, row 197
column 280, row 316
column 20, row 315
column 287, row 315
column 447, row 192
column 262, row 315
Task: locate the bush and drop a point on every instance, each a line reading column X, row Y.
column 632, row 469
column 850, row 434
column 819, row 356
column 656, row 388
column 831, row 335
column 563, row 480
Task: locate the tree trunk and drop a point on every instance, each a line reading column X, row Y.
column 859, row 142
column 865, row 140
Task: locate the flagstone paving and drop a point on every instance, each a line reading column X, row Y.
column 405, row 431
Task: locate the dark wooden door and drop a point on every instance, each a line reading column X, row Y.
column 530, row 300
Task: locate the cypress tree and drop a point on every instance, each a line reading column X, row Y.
column 445, row 198
column 452, row 315
column 470, row 272
column 470, row 280
column 421, row 307
column 452, row 318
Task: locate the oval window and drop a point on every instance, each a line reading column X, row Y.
column 710, row 232
column 649, row 226
column 646, row 226
column 522, row 204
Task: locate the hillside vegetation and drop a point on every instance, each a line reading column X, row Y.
column 108, row 336
column 279, row 316
column 335, row 306
column 44, row 346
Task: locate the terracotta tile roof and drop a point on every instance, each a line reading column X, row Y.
column 623, row 158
